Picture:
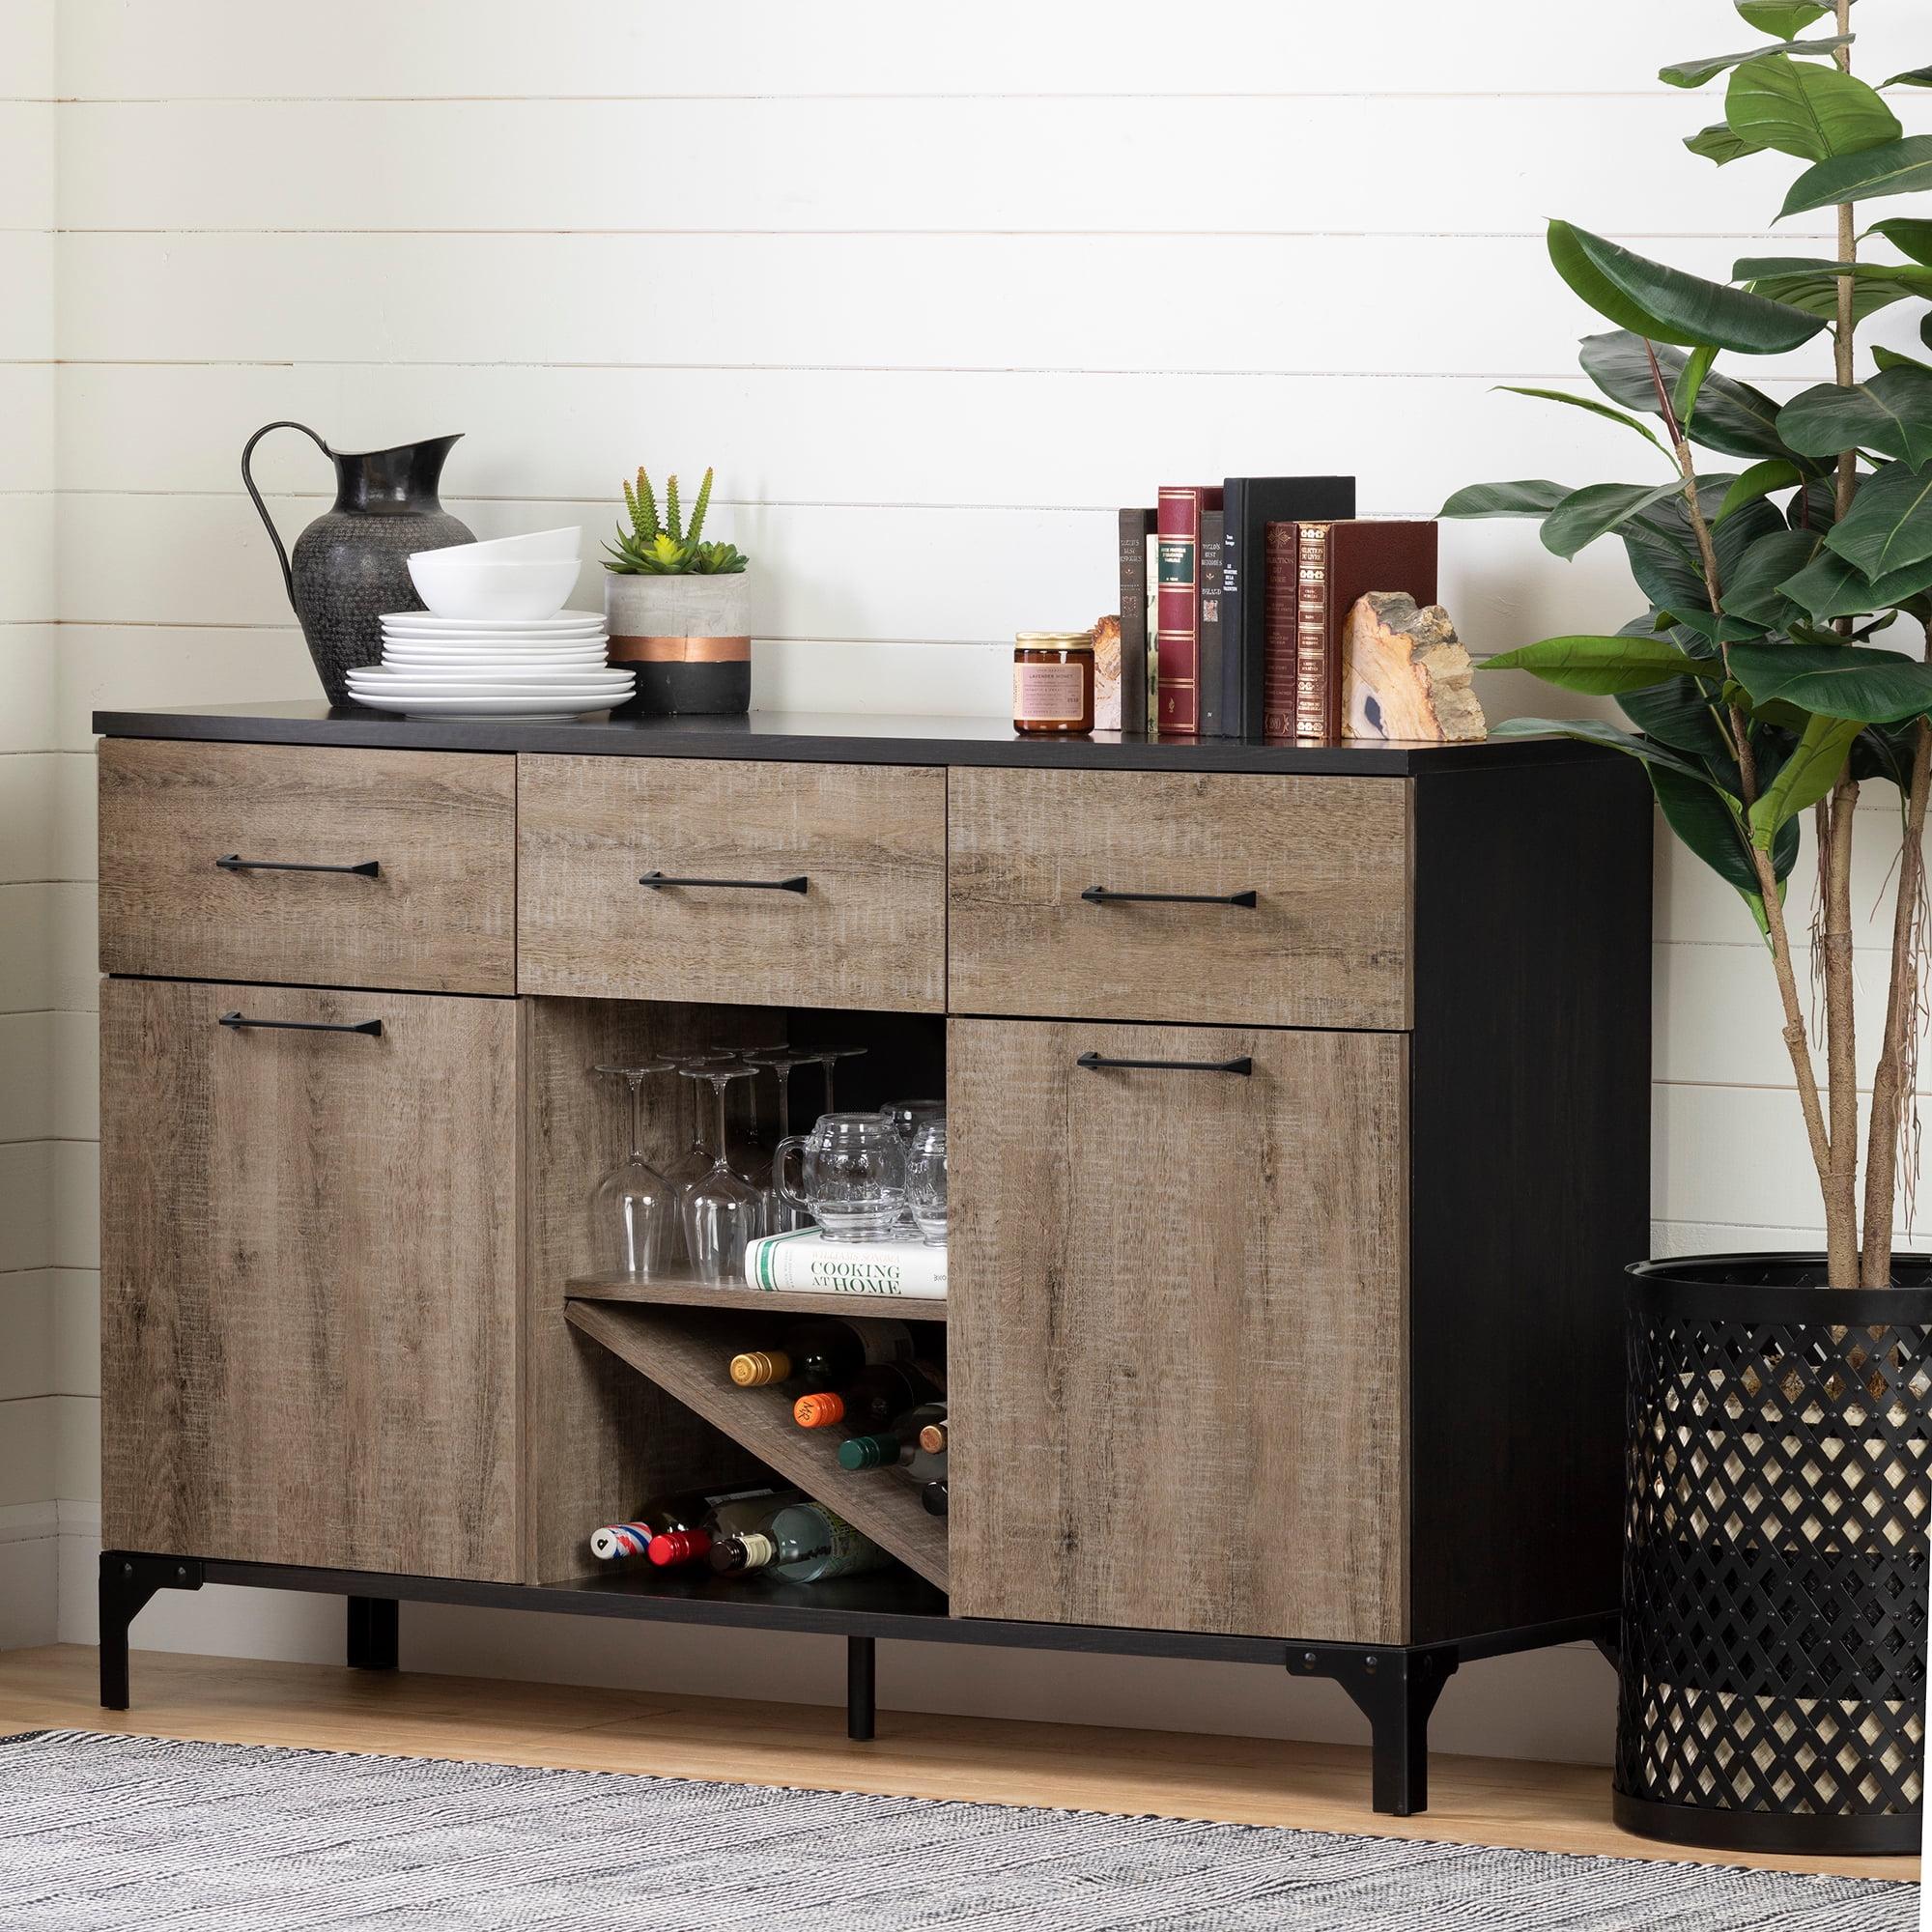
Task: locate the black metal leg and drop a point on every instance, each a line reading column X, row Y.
column 1396, row 1691
column 127, row 1583
column 861, row 1689
column 374, row 1628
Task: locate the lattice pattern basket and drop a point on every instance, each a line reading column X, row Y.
column 1779, row 1471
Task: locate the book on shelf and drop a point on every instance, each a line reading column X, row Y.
column 1179, row 511
column 1249, row 505
column 1212, row 707
column 805, row 1258
column 1137, row 620
column 1336, row 563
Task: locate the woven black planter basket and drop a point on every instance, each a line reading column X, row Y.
column 1780, row 1475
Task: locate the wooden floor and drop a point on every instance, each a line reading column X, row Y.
column 1322, row 1787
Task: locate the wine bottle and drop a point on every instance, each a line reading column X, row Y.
column 823, row 1353
column 932, row 1438
column 671, row 1548
column 934, row 1497
column 868, row 1401
column 678, row 1508
column 803, row 1543
column 902, row 1447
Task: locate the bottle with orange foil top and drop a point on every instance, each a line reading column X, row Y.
column 868, row 1401
column 1053, row 681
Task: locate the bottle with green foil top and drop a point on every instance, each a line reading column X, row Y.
column 902, row 1447
column 803, row 1543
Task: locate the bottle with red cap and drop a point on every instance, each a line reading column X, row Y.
column 676, row 1510
column 672, row 1548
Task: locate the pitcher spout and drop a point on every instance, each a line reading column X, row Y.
column 405, row 478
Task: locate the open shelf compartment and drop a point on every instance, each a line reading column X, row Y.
column 687, row 1292
column 683, row 1353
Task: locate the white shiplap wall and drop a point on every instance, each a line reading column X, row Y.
column 935, row 291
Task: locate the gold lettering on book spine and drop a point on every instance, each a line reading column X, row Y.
column 1310, row 640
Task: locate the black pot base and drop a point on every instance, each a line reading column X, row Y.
column 703, row 690
column 1805, row 1834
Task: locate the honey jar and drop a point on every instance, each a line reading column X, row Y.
column 1053, row 681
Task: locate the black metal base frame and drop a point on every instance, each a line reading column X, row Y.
column 1394, row 1686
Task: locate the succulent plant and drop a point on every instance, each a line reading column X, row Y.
column 664, row 548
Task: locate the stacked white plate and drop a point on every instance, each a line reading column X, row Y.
column 481, row 668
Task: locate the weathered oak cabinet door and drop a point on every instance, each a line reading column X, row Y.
column 309, row 1277
column 1177, row 1336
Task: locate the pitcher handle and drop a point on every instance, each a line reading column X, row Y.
column 784, row 1193
column 262, row 509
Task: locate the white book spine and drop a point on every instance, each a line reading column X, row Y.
column 907, row 1270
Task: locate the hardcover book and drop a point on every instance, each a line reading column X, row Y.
column 1137, row 536
column 1178, row 514
column 807, row 1259
column 1337, row 563
column 1213, row 704
column 1249, row 505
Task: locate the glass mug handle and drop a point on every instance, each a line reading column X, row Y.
column 803, row 1143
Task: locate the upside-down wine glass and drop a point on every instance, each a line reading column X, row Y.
column 634, row 1207
column 825, row 1057
column 781, row 1216
column 723, row 1210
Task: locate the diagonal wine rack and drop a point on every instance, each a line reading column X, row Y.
column 684, row 1351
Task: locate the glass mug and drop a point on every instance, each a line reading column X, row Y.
column 852, row 1174
column 925, row 1181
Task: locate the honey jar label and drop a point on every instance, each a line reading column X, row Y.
column 1049, row 693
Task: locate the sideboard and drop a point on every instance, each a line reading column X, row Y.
column 1298, row 1104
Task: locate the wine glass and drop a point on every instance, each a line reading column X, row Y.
column 781, row 1216
column 825, row 1056
column 634, row 1207
column 723, row 1210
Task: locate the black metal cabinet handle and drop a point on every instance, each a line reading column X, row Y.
column 1101, row 895
column 657, row 880
column 233, row 862
column 1242, row 1065
column 373, row 1028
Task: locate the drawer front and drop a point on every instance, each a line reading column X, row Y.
column 1177, row 1339
column 1324, row 942
column 867, row 929
column 309, row 1246
column 438, row 915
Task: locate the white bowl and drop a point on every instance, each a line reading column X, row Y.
column 532, row 547
column 454, row 585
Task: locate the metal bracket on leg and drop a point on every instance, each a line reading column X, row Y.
column 374, row 1625
column 127, row 1583
column 861, row 1689
column 1396, row 1691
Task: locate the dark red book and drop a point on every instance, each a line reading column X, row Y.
column 1178, row 531
column 1280, row 604
column 1337, row 564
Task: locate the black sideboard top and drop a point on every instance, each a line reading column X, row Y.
column 823, row 737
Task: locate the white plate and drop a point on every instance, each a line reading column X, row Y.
column 510, row 647
column 486, row 708
column 492, row 640
column 496, row 660
column 573, row 687
column 431, row 625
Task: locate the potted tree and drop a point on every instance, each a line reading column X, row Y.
column 677, row 606
column 1773, row 1669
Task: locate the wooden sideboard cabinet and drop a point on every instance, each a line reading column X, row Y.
column 1298, row 1118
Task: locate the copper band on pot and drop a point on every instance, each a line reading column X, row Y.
column 680, row 650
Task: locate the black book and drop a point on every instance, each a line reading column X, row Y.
column 1249, row 505
column 1136, row 642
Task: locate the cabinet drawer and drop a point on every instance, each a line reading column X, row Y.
column 438, row 914
column 309, row 1242
column 862, row 846
column 1177, row 1340
column 1324, row 942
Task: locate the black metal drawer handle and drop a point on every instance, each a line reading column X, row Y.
column 369, row 868
column 658, row 880
column 1241, row 1064
column 1100, row 896
column 373, row 1028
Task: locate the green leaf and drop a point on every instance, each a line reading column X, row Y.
column 1802, row 108
column 1536, row 497
column 1732, row 417
column 1720, row 143
column 1890, row 358
column 1716, row 627
column 1709, row 823
column 1828, row 586
column 1891, row 413
column 1899, row 167
column 1752, row 590
column 1594, row 731
column 1909, row 237
column 1844, row 681
column 1806, row 777
column 1690, row 386
column 1589, row 402
column 1918, row 77
column 1889, row 524
column 1811, row 283
column 1782, row 18
column 1695, row 72
column 1667, row 305
column 1603, row 665
column 1599, row 508
column 1776, row 472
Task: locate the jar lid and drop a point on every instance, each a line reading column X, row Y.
column 1054, row 640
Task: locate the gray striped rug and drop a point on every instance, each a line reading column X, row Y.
column 100, row 1832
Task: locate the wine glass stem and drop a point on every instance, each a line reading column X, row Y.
column 784, row 1100
column 637, row 1117
column 721, row 1085
column 831, row 1106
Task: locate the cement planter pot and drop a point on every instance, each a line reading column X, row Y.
column 1774, row 1607
column 688, row 640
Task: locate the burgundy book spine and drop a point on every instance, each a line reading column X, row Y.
column 1313, row 647
column 1178, row 514
column 1280, row 605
